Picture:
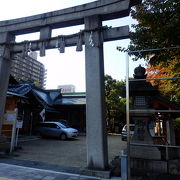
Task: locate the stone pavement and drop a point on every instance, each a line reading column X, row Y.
column 14, row 172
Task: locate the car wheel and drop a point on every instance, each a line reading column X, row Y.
column 123, row 139
column 39, row 134
column 63, row 136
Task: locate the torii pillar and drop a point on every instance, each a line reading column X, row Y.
column 97, row 154
column 5, row 65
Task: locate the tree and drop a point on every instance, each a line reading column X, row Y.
column 158, row 27
column 37, row 83
column 168, row 88
column 115, row 102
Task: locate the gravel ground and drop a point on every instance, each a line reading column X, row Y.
column 68, row 153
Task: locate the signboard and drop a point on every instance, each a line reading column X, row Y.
column 67, row 88
column 19, row 124
column 11, row 117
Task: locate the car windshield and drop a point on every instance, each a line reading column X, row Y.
column 63, row 125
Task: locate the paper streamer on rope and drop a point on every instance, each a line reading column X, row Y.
column 29, row 47
column 91, row 43
column 26, row 49
column 79, row 43
column 2, row 52
column 61, row 44
column 43, row 49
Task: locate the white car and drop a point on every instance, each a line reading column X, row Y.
column 124, row 131
column 56, row 129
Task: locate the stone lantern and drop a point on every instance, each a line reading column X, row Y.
column 140, row 113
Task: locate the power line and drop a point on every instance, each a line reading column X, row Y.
column 148, row 50
column 157, row 49
column 155, row 79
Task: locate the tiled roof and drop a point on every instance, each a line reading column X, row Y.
column 71, row 101
column 47, row 98
column 20, row 89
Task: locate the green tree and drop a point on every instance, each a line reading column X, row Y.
column 37, row 83
column 157, row 28
column 115, row 102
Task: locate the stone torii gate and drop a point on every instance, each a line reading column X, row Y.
column 92, row 15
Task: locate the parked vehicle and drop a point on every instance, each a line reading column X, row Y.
column 56, row 129
column 124, row 131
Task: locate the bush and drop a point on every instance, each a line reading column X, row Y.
column 177, row 126
column 177, row 131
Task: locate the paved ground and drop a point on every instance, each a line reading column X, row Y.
column 68, row 153
column 51, row 159
column 14, row 172
column 60, row 156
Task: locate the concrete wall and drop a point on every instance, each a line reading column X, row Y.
column 147, row 167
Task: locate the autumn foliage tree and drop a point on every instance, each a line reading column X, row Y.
column 167, row 87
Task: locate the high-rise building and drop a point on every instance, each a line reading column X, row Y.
column 28, row 69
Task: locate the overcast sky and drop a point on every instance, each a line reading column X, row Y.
column 68, row 68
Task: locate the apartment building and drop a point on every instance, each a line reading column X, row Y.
column 28, row 69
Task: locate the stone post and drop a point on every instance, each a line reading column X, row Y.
column 5, row 65
column 171, row 153
column 97, row 154
column 170, row 132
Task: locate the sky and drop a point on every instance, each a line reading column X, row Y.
column 69, row 67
